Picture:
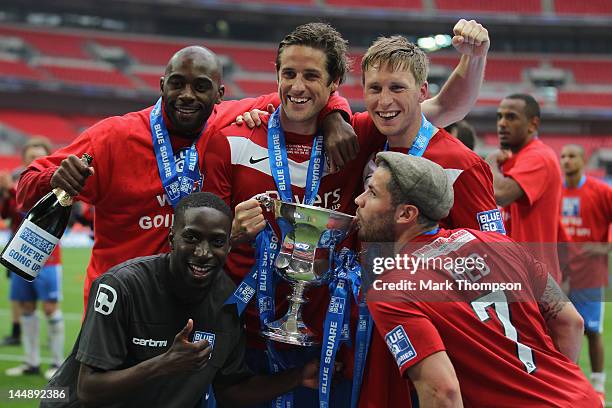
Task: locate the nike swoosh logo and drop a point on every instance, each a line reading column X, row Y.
column 253, row 161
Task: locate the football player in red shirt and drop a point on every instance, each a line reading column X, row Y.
column 133, row 208
column 473, row 346
column 586, row 214
column 394, row 74
column 474, row 180
column 527, row 179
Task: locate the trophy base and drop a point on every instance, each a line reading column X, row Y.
column 299, row 336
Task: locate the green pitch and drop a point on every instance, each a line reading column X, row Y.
column 74, row 265
column 75, row 262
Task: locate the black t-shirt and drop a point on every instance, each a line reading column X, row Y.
column 132, row 316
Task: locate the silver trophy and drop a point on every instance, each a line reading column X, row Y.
column 311, row 234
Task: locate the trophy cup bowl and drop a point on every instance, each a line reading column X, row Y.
column 310, row 235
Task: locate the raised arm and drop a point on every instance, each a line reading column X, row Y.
column 459, row 93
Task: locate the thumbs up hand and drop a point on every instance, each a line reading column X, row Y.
column 184, row 356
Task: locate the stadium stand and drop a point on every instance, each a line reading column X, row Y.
column 9, row 162
column 57, row 128
column 72, row 63
column 134, row 63
column 98, row 74
column 587, row 70
column 48, row 42
column 581, row 99
column 256, row 87
column 593, row 7
column 398, row 4
column 146, row 52
column 11, row 66
column 518, row 7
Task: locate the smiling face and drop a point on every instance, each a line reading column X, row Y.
column 304, row 87
column 190, row 89
column 200, row 242
column 393, row 100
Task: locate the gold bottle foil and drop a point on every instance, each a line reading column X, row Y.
column 64, row 199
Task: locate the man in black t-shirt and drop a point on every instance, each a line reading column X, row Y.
column 157, row 334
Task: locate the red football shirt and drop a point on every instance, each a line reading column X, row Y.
column 132, row 213
column 534, row 218
column 473, row 180
column 247, row 173
column 496, row 341
column 586, row 214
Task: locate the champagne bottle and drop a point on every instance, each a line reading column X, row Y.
column 39, row 232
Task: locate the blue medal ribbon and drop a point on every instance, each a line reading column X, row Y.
column 279, row 169
column 346, row 279
column 279, row 162
column 261, row 279
column 177, row 183
column 364, row 326
column 426, row 132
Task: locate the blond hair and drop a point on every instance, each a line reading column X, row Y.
column 397, row 54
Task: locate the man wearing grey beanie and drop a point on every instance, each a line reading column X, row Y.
column 467, row 317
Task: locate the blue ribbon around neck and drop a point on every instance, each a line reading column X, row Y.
column 177, row 183
column 426, row 132
column 261, row 280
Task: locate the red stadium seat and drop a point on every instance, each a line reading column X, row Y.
column 95, row 76
column 146, row 52
column 9, row 163
column 284, row 2
column 587, row 71
column 581, row 99
column 19, row 69
column 590, row 143
column 595, row 7
column 150, row 80
column 517, row 7
column 486, row 101
column 50, row 43
column 58, row 129
column 82, row 122
column 352, row 92
column 256, row 88
column 500, row 68
column 398, row 4
column 255, row 58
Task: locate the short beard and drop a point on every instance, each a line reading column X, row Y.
column 379, row 229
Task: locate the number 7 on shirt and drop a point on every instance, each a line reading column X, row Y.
column 500, row 307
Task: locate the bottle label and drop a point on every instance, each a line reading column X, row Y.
column 30, row 248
